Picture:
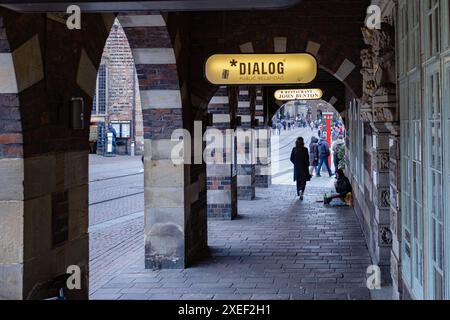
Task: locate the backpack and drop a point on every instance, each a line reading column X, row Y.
column 324, row 150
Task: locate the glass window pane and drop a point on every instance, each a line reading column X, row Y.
column 116, row 127
column 438, row 288
column 126, row 130
column 448, row 23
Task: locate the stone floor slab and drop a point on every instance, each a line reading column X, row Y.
column 278, row 248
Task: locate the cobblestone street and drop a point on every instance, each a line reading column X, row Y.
column 116, row 203
column 278, row 248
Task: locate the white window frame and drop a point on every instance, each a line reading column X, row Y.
column 414, row 105
column 435, row 12
column 413, row 34
column 446, row 143
column 445, row 18
column 405, row 183
column 438, row 62
column 434, row 68
column 410, row 101
column 403, row 37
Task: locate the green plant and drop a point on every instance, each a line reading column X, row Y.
column 341, row 154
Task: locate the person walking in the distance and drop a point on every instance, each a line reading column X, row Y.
column 300, row 159
column 313, row 156
column 324, row 153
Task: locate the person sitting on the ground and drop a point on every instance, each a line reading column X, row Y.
column 342, row 185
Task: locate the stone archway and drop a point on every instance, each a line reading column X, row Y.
column 48, row 207
column 47, row 159
column 175, row 197
column 306, row 119
column 12, row 173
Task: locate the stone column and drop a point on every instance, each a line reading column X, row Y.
column 380, row 110
column 11, row 196
column 263, row 177
column 164, row 206
column 43, row 160
column 221, row 178
column 173, row 188
column 246, row 166
column 381, row 181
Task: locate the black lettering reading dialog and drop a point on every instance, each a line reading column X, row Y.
column 261, row 68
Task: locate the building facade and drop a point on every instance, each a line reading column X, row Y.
column 117, row 100
column 400, row 127
column 424, row 92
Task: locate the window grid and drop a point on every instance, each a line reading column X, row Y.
column 435, row 175
column 417, row 183
column 447, row 21
column 101, row 92
column 413, row 35
column 405, row 181
column 403, row 38
column 425, row 143
column 446, row 113
column 432, row 28
column 94, row 105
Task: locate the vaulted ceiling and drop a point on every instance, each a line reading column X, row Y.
column 328, row 29
column 161, row 5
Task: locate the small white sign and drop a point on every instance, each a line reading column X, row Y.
column 298, row 94
column 109, row 147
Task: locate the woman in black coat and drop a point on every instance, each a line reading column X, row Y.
column 300, row 159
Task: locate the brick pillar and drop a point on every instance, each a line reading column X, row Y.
column 381, row 199
column 12, row 178
column 245, row 157
column 263, row 176
column 171, row 194
column 44, row 160
column 221, row 178
column 12, row 190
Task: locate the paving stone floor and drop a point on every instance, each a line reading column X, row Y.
column 278, row 248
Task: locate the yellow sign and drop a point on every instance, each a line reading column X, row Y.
column 253, row 69
column 298, row 94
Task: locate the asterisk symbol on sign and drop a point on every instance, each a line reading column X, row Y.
column 233, row 63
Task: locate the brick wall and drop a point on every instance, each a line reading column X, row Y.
column 122, row 85
column 221, row 178
column 263, row 177
column 330, row 30
column 10, row 126
column 245, row 148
